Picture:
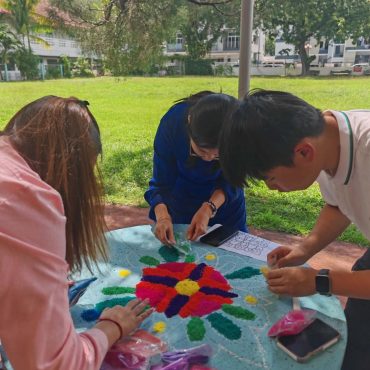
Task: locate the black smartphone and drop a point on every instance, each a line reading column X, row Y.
column 315, row 338
column 218, row 236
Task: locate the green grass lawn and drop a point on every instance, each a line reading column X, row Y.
column 129, row 109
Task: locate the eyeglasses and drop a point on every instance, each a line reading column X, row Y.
column 193, row 154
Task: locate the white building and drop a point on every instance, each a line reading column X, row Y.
column 224, row 51
column 55, row 45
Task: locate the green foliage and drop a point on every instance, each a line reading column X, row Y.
column 129, row 34
column 66, row 64
column 82, row 68
column 270, row 45
column 298, row 21
column 128, row 111
column 53, row 72
column 28, row 64
column 223, row 70
column 200, row 67
column 200, row 27
column 9, row 44
column 25, row 20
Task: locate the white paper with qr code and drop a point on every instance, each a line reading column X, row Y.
column 249, row 245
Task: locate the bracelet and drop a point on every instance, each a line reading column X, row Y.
column 114, row 322
column 213, row 208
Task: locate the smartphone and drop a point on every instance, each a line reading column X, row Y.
column 315, row 338
column 218, row 236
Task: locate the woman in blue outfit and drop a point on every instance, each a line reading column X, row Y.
column 188, row 186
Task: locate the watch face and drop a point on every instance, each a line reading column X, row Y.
column 323, row 284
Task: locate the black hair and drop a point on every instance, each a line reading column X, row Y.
column 207, row 117
column 263, row 132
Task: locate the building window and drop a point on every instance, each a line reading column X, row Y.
column 74, row 45
column 179, row 38
column 62, row 43
column 233, row 40
column 339, row 50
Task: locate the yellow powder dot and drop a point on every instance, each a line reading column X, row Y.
column 210, row 257
column 250, row 299
column 187, row 287
column 159, row 327
column 264, row 270
column 124, row 273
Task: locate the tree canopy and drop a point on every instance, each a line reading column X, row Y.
column 129, row 34
column 297, row 21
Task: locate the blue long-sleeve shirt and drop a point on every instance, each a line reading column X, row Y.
column 182, row 186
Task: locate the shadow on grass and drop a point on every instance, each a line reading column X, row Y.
column 126, row 175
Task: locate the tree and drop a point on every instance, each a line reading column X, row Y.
column 201, row 26
column 298, row 21
column 25, row 20
column 129, row 34
column 126, row 33
column 9, row 44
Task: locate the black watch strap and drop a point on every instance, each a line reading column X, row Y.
column 323, row 283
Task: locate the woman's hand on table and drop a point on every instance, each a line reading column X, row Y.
column 284, row 256
column 164, row 231
column 128, row 318
column 199, row 222
column 292, row 281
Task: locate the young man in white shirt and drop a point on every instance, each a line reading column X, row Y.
column 281, row 139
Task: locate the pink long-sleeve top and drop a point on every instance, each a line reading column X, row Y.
column 36, row 328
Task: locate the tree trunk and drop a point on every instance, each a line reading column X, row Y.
column 28, row 40
column 305, row 59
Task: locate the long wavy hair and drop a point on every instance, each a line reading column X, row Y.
column 60, row 140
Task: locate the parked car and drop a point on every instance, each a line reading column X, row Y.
column 360, row 68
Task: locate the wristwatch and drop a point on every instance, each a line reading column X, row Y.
column 323, row 283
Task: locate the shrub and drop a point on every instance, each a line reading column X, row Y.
column 202, row 67
column 28, row 64
column 82, row 68
column 52, row 72
column 223, row 70
column 66, row 64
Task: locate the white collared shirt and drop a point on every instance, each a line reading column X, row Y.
column 349, row 188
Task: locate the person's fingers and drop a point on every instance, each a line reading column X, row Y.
column 159, row 234
column 162, row 236
column 190, row 232
column 286, row 261
column 140, row 307
column 275, row 282
column 198, row 232
column 145, row 314
column 133, row 303
column 171, row 235
column 274, row 274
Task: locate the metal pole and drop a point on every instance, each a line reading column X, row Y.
column 246, row 28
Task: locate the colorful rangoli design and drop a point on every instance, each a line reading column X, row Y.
column 187, row 290
column 184, row 289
